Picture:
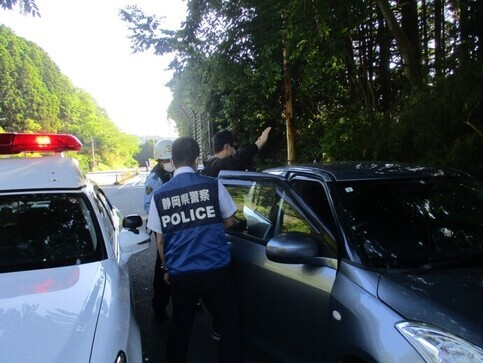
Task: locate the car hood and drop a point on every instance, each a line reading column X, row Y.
column 449, row 298
column 50, row 315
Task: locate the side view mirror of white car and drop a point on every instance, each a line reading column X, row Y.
column 131, row 239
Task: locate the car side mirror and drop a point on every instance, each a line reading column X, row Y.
column 292, row 247
column 131, row 239
column 132, row 222
column 297, row 247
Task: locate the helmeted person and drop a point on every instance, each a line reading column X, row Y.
column 190, row 214
column 162, row 171
column 160, row 174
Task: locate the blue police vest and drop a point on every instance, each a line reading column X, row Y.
column 192, row 225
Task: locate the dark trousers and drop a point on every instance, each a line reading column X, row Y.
column 161, row 290
column 217, row 291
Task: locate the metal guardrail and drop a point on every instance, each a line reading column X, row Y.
column 110, row 177
column 125, row 175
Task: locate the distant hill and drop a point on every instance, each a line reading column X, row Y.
column 36, row 97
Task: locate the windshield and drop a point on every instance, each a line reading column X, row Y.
column 46, row 230
column 409, row 223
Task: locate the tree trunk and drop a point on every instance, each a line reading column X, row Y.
column 288, row 101
column 424, row 30
column 438, row 48
column 384, row 62
column 409, row 23
column 412, row 68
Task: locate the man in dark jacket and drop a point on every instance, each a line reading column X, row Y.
column 226, row 155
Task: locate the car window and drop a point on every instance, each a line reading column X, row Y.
column 105, row 210
column 409, row 223
column 264, row 211
column 313, row 194
column 46, row 230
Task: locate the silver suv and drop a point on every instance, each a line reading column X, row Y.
column 360, row 262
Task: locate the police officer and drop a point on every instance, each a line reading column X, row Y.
column 160, row 174
column 227, row 157
column 190, row 214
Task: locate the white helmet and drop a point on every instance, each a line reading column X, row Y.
column 162, row 150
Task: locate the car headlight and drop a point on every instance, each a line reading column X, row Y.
column 436, row 345
column 121, row 357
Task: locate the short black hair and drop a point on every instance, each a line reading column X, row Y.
column 221, row 138
column 184, row 151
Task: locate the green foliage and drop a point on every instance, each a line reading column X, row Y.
column 443, row 124
column 146, row 153
column 26, row 6
column 36, row 97
column 354, row 94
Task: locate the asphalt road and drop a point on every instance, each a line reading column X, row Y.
column 128, row 198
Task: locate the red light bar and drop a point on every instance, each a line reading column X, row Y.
column 14, row 143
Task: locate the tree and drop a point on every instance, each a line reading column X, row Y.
column 35, row 96
column 146, row 153
column 407, row 46
column 26, row 6
column 371, row 79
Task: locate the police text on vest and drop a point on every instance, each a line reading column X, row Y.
column 190, row 215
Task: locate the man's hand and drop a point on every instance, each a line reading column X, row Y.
column 228, row 222
column 262, row 140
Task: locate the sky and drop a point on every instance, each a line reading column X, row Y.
column 89, row 43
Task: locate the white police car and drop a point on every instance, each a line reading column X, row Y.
column 64, row 284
